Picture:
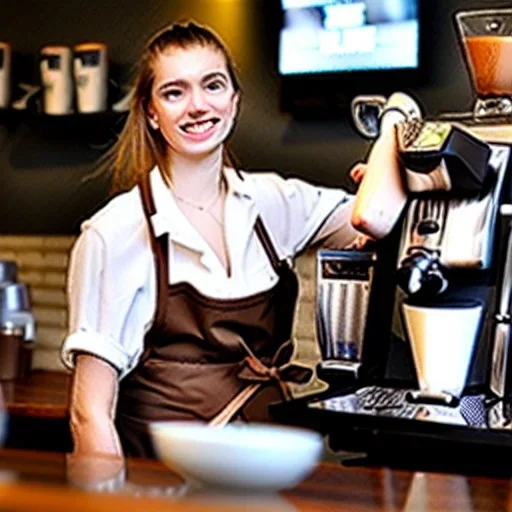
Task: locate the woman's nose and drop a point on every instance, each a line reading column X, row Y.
column 198, row 101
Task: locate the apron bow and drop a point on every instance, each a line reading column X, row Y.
column 255, row 371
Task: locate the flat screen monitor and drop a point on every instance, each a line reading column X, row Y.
column 344, row 36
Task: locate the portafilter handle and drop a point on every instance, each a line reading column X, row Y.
column 421, row 272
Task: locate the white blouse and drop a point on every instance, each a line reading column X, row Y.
column 111, row 281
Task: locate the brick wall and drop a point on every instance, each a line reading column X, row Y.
column 43, row 261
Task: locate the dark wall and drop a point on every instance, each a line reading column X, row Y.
column 43, row 163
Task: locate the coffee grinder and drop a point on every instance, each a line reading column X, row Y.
column 434, row 372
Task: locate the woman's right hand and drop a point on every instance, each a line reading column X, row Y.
column 95, row 472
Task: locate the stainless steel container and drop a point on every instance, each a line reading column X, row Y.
column 8, row 271
column 344, row 280
column 14, row 297
column 15, row 308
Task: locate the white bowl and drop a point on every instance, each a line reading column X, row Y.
column 251, row 456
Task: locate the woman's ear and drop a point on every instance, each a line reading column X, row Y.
column 236, row 102
column 152, row 117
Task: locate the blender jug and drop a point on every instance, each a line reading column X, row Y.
column 486, row 37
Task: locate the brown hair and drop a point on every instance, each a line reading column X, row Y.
column 139, row 148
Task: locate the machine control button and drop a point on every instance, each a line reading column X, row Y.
column 428, row 227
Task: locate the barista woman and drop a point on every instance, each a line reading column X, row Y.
column 181, row 292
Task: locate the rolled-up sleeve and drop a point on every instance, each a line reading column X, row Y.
column 296, row 212
column 96, row 315
column 337, row 231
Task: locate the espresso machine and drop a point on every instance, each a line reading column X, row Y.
column 415, row 334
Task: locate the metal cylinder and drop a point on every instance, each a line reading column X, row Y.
column 14, row 297
column 343, row 291
column 8, row 271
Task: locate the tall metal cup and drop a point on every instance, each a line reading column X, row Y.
column 344, row 280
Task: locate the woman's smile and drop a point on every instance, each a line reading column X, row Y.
column 200, row 130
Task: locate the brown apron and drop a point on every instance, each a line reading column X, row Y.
column 206, row 359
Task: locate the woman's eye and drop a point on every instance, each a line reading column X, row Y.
column 172, row 94
column 215, row 85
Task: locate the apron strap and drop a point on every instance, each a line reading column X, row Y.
column 147, row 200
column 264, row 237
column 234, row 406
column 160, row 247
column 268, row 246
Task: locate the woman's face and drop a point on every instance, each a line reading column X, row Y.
column 193, row 102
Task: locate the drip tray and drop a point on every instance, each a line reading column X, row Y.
column 393, row 431
column 395, row 403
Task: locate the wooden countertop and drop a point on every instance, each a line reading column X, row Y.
column 42, row 394
column 35, row 481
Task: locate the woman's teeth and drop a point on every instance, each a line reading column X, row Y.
column 198, row 127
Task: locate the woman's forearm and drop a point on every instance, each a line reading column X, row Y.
column 93, row 402
column 382, row 194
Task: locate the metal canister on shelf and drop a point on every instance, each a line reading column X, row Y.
column 12, row 361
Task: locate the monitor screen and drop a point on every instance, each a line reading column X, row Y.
column 333, row 36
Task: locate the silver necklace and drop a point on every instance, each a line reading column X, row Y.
column 206, row 208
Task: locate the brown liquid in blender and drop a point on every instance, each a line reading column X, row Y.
column 490, row 59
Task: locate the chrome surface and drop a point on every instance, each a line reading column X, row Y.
column 502, row 330
column 466, row 226
column 15, row 308
column 344, row 281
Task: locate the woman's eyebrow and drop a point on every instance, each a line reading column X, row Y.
column 183, row 83
column 214, row 74
column 171, row 83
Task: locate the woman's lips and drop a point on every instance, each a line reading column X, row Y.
column 200, row 130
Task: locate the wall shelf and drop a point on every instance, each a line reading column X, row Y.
column 71, row 121
column 96, row 131
column 42, row 140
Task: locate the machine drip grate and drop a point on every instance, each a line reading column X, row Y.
column 390, row 402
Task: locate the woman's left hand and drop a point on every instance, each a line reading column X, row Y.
column 358, row 172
